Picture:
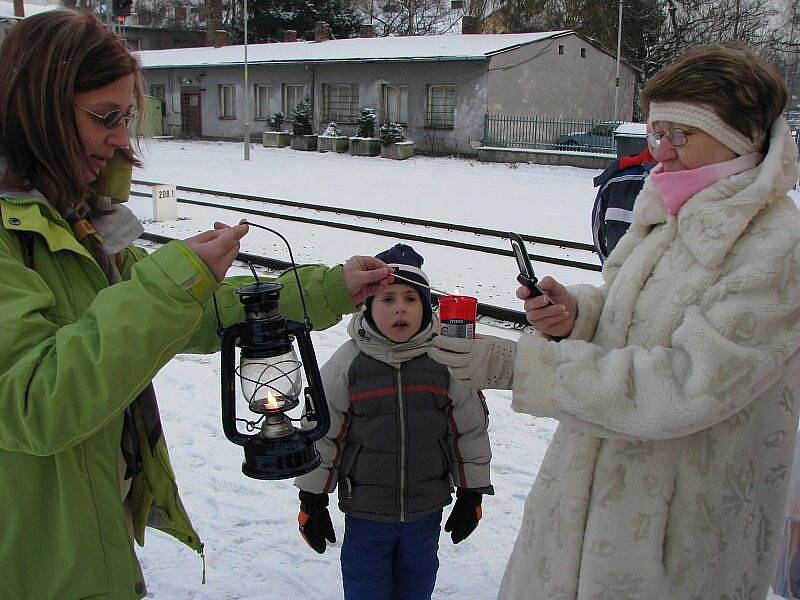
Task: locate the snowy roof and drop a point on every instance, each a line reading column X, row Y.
column 7, row 8
column 411, row 48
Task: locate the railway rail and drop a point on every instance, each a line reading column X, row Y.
column 383, row 232
column 487, row 310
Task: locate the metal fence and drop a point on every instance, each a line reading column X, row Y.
column 549, row 133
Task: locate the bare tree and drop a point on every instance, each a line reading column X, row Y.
column 655, row 31
column 787, row 47
column 692, row 22
column 421, row 17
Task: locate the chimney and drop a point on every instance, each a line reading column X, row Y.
column 220, row 38
column 470, row 24
column 212, row 24
column 290, row 35
column 366, row 30
column 213, row 17
column 322, row 32
column 19, row 9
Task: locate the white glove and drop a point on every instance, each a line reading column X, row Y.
column 479, row 364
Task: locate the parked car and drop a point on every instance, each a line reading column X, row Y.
column 597, row 139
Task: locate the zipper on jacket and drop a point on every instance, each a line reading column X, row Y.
column 402, row 415
column 349, row 488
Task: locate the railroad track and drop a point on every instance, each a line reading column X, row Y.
column 383, row 232
column 487, row 310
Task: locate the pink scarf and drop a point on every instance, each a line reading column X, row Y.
column 676, row 187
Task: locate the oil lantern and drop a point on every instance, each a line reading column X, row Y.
column 270, row 376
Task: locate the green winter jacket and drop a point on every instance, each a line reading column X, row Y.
column 75, row 353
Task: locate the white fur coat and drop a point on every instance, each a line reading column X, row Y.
column 676, row 394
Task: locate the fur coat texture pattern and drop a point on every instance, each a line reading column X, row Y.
column 677, row 400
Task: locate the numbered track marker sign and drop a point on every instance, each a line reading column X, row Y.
column 165, row 203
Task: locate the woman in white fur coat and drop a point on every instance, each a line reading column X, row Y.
column 676, row 382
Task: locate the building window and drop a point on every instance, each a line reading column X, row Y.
column 395, row 103
column 583, row 52
column 134, row 44
column 561, row 49
column 227, row 101
column 440, row 106
column 158, row 91
column 261, row 110
column 340, row 102
column 292, row 96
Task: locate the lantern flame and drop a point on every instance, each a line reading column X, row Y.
column 272, row 401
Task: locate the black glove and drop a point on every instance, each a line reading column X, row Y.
column 314, row 520
column 465, row 515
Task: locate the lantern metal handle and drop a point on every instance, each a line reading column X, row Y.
column 315, row 393
column 228, row 366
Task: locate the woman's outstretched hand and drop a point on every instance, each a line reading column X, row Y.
column 365, row 276
column 555, row 319
column 218, row 247
column 484, row 363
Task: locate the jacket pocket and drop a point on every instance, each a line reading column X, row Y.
column 350, row 459
column 447, row 457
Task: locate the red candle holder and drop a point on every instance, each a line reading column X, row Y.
column 457, row 316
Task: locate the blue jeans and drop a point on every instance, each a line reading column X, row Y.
column 390, row 561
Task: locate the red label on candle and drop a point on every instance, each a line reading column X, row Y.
column 457, row 315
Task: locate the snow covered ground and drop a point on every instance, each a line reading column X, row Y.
column 249, row 527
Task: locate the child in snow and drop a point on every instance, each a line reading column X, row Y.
column 402, row 432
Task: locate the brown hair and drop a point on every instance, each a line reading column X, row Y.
column 45, row 60
column 730, row 79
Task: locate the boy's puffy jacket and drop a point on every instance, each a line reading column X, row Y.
column 401, row 431
column 75, row 353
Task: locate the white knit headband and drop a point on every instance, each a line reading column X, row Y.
column 696, row 115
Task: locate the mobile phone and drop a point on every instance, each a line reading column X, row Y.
column 526, row 275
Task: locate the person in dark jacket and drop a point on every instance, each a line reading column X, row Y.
column 619, row 185
column 402, row 432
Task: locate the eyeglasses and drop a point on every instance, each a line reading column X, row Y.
column 112, row 119
column 676, row 137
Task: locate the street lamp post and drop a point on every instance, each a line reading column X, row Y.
column 619, row 51
column 246, row 93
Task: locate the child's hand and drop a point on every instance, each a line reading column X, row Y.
column 314, row 521
column 465, row 516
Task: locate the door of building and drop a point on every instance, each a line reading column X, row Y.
column 191, row 115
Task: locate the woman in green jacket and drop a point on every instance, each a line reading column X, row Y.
column 87, row 320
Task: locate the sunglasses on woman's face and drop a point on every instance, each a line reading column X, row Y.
column 112, row 119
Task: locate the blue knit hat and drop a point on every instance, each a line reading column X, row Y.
column 407, row 263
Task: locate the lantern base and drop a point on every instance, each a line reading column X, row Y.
column 282, row 458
